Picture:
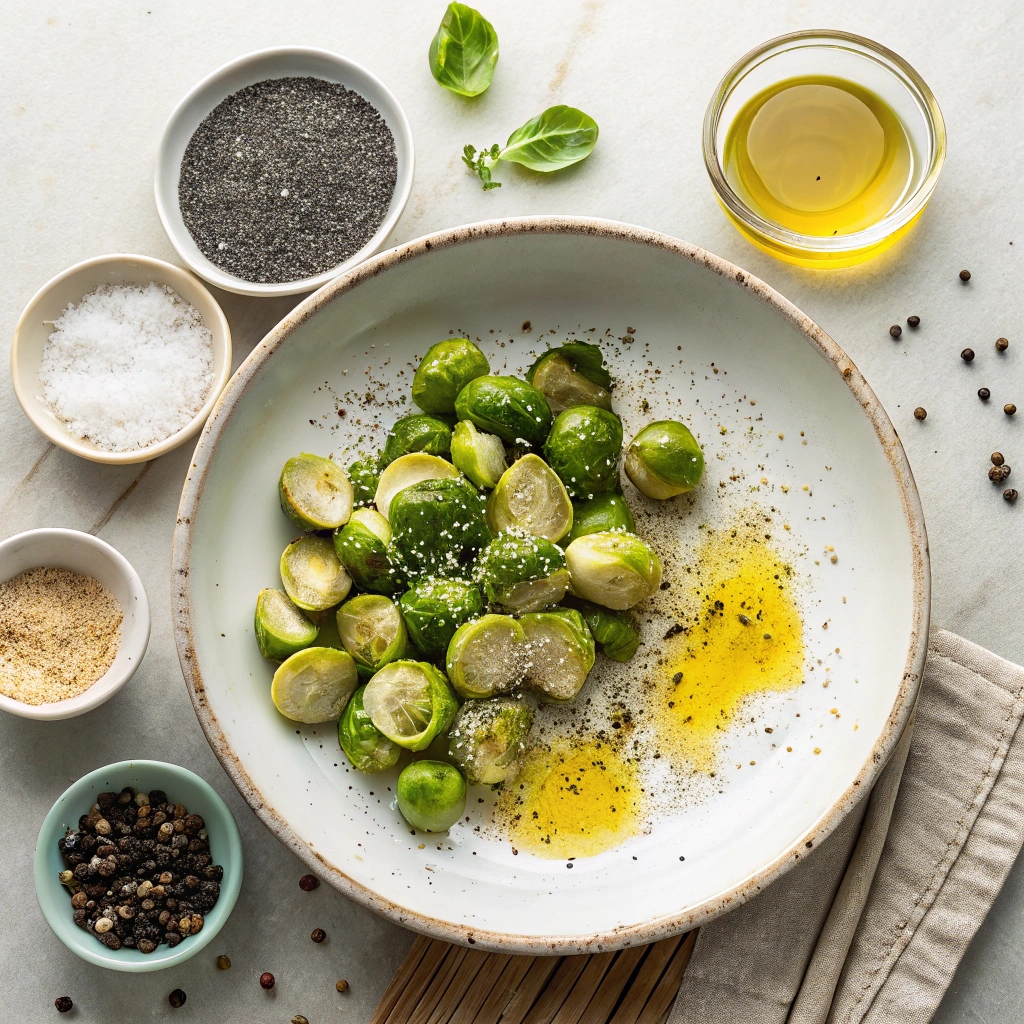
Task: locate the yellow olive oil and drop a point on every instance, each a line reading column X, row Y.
column 819, row 155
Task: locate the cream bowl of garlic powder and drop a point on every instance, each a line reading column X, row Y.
column 121, row 358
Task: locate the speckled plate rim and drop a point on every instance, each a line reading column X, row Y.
column 676, row 921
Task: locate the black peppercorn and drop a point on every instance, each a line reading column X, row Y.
column 1010, row 494
column 965, row 275
column 223, row 963
column 266, row 980
column 997, row 459
column 318, row 935
column 63, row 1004
column 913, row 321
column 967, row 355
column 1009, row 408
column 177, row 998
column 307, row 883
column 984, row 394
column 1002, row 344
column 895, row 331
column 920, row 413
column 995, row 474
column 341, row 986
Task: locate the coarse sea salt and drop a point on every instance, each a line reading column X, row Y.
column 127, row 366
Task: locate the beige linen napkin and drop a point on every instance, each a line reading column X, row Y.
column 871, row 926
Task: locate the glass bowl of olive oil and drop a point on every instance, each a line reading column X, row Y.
column 823, row 147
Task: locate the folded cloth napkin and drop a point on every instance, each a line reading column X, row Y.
column 872, row 924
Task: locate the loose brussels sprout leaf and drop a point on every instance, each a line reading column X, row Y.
column 522, row 573
column 506, row 406
column 488, row 739
column 464, row 51
column 406, row 471
column 438, row 526
column 530, row 497
column 616, row 633
column 410, row 702
column 664, row 460
column 572, row 375
column 480, row 456
column 558, row 137
column 417, row 433
column 606, row 512
column 444, row 371
column 315, row 493
column 312, row 575
column 434, row 608
column 362, row 545
column 372, row 630
column 364, row 475
column 431, row 795
column 559, row 653
column 485, row 656
column 364, row 744
column 615, row 570
column 281, row 629
column 314, row 685
column 583, row 449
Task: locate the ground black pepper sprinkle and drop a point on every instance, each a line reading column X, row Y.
column 63, row 1004
column 967, row 355
column 965, row 275
column 1002, row 344
column 895, row 331
column 913, row 321
column 920, row 413
column 984, row 394
column 287, row 178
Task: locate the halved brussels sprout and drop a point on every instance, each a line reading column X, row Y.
column 530, row 497
column 444, row 371
column 315, row 493
column 364, row 475
column 406, row 471
column 438, row 526
column 559, row 653
column 506, row 406
column 665, row 460
column 583, row 449
column 522, row 573
column 314, row 685
column 281, row 629
column 417, row 433
column 480, row 456
column 606, row 512
column 372, row 629
column 312, row 575
column 362, row 545
column 434, row 608
column 410, row 702
column 485, row 656
column 364, row 744
column 572, row 375
column 488, row 739
column 615, row 570
column 431, row 795
column 616, row 633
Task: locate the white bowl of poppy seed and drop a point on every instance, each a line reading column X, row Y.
column 283, row 169
column 30, row 637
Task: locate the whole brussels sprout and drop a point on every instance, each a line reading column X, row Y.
column 606, row 512
column 438, row 526
column 364, row 475
column 506, row 406
column 583, row 449
column 664, row 460
column 488, row 739
column 410, row 702
column 281, row 629
column 444, row 371
column 530, row 497
column 417, row 433
column 573, row 374
column 485, row 656
column 522, row 573
column 431, row 795
column 615, row 570
column 616, row 633
column 364, row 744
column 480, row 456
column 372, row 630
column 315, row 493
column 559, row 653
column 434, row 608
column 407, row 470
column 362, row 545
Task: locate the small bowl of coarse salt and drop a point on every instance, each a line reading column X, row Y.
column 121, row 358
column 74, row 623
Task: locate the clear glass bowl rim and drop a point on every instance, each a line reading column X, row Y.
column 908, row 209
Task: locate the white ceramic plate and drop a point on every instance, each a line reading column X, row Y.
column 708, row 342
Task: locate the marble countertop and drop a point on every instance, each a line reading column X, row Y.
column 86, row 90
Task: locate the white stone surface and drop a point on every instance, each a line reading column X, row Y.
column 86, row 88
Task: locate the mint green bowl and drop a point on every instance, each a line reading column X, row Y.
column 181, row 786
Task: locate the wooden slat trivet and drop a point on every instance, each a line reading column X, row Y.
column 443, row 984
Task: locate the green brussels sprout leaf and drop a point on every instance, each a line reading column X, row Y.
column 480, row 456
column 616, row 633
column 464, row 52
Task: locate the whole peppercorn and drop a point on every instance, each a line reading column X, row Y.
column 967, row 355
column 1002, row 344
column 307, row 883
column 177, row 998
column 63, row 1004
column 895, row 331
column 984, row 394
column 965, row 275
column 266, row 980
column 1009, row 408
column 997, row 459
column 913, row 321
column 223, row 963
column 1010, row 494
column 341, row 986
column 300, row 1019
column 920, row 413
column 318, row 935
column 995, row 474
